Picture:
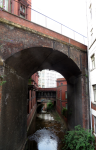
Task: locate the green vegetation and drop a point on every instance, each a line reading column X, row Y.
column 29, row 81
column 1, row 6
column 79, row 139
column 50, row 106
column 86, row 76
column 2, row 81
column 64, row 111
column 56, row 116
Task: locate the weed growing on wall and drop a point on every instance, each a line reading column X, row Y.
column 79, row 139
column 64, row 111
column 2, row 80
column 29, row 81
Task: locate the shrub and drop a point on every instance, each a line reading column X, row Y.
column 79, row 139
column 64, row 111
column 49, row 106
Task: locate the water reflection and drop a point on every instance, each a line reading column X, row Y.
column 46, row 116
column 45, row 134
column 45, row 139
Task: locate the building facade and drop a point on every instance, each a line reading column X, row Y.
column 31, row 98
column 20, row 8
column 91, row 32
column 61, row 94
column 47, row 78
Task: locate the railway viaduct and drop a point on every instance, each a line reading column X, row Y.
column 26, row 48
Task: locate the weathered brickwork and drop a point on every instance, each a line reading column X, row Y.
column 27, row 25
column 31, row 98
column 61, row 99
column 93, row 128
column 25, row 49
column 93, row 122
column 13, row 123
column 31, row 115
column 93, row 106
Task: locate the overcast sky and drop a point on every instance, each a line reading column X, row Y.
column 71, row 13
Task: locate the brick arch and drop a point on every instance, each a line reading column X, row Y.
column 22, row 64
column 17, row 39
column 28, row 61
column 18, row 43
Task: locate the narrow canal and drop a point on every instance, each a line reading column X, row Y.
column 46, row 132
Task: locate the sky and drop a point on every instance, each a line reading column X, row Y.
column 71, row 13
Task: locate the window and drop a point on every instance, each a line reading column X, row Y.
column 22, row 11
column 65, row 94
column 93, row 61
column 1, row 3
column 95, row 124
column 42, row 74
column 61, row 83
column 94, row 91
column 6, row 4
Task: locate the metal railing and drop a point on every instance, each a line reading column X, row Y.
column 56, row 26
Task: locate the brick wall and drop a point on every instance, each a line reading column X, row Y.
column 93, row 122
column 14, row 55
column 61, row 100
column 14, row 7
column 31, row 99
column 13, row 117
column 93, row 106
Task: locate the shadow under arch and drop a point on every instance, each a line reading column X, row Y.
column 18, row 68
column 31, row 60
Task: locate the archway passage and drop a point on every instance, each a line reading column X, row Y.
column 24, row 52
column 18, row 68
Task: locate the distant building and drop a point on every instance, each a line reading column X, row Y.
column 17, row 7
column 47, row 79
column 91, row 32
column 61, row 94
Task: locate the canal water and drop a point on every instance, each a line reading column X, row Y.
column 45, row 133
